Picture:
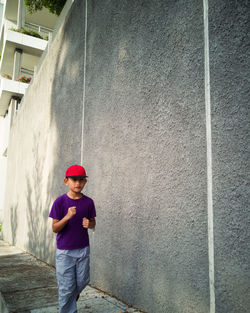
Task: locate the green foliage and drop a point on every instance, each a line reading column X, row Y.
column 54, row 6
column 27, row 32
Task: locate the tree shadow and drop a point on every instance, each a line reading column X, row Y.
column 64, row 63
column 41, row 241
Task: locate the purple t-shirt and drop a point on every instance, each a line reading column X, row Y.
column 73, row 235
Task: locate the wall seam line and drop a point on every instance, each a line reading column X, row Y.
column 84, row 76
column 209, row 158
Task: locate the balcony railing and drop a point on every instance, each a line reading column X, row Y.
column 41, row 30
column 27, row 72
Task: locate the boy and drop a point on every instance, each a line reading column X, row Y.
column 72, row 213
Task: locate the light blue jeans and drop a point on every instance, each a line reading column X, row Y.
column 72, row 271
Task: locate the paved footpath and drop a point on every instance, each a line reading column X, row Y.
column 28, row 285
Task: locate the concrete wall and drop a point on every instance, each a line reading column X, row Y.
column 4, row 138
column 229, row 59
column 3, row 165
column 144, row 148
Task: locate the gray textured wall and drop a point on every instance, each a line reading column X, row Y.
column 144, row 150
column 229, row 59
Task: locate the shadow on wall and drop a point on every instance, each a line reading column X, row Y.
column 67, row 92
column 65, row 64
column 38, row 202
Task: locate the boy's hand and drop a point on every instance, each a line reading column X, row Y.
column 88, row 223
column 71, row 212
column 85, row 222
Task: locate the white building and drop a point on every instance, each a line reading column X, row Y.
column 20, row 53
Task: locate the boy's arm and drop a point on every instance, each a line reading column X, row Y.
column 88, row 223
column 58, row 225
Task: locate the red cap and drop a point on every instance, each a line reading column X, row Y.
column 76, row 171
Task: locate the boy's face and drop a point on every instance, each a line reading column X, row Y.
column 75, row 185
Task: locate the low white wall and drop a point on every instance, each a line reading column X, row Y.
column 4, row 138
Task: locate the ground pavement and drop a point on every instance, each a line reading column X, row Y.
column 28, row 285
